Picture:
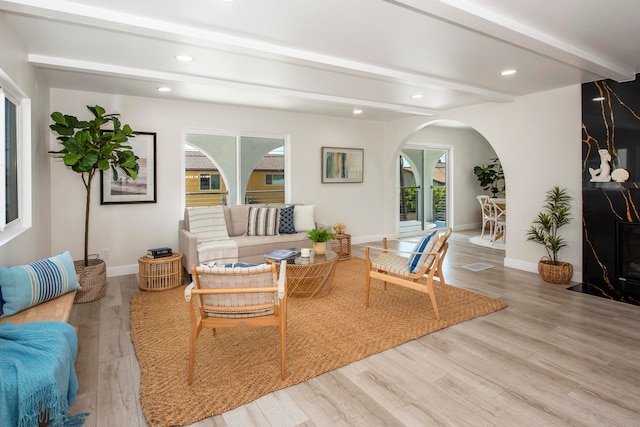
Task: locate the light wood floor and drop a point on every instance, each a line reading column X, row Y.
column 553, row 357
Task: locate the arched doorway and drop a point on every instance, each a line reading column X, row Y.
column 435, row 167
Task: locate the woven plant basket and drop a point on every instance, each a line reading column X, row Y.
column 559, row 274
column 93, row 280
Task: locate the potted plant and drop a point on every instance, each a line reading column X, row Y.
column 491, row 177
column 319, row 237
column 90, row 146
column 544, row 231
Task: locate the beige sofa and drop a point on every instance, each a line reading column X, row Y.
column 251, row 249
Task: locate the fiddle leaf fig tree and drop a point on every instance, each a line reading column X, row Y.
column 90, row 146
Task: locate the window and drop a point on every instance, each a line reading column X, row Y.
column 209, row 182
column 274, row 179
column 11, row 161
column 15, row 160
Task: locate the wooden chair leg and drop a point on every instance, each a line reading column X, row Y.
column 195, row 331
column 434, row 303
column 368, row 276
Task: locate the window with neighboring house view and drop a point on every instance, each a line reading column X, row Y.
column 15, row 160
column 209, row 182
column 274, row 179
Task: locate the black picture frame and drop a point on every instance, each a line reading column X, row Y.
column 143, row 188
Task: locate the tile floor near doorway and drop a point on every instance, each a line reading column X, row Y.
column 553, row 357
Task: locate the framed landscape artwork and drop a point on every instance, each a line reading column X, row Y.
column 342, row 165
column 125, row 189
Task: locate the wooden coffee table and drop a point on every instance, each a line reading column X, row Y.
column 310, row 277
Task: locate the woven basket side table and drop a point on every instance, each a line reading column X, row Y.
column 341, row 244
column 160, row 274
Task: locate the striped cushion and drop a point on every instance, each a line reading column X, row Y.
column 421, row 252
column 263, row 221
column 207, row 222
column 31, row 284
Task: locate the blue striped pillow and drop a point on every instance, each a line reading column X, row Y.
column 421, row 253
column 263, row 221
column 32, row 284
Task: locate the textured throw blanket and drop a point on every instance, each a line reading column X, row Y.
column 37, row 376
column 218, row 251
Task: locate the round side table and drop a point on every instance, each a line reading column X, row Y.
column 341, row 244
column 160, row 274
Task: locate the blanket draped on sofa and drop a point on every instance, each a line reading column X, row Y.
column 219, row 251
column 37, row 376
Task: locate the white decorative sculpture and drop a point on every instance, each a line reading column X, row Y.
column 603, row 173
column 620, row 175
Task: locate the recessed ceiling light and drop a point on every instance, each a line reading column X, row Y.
column 510, row 72
column 600, row 98
column 357, row 111
column 227, row 1
column 185, row 58
column 417, row 96
column 164, row 89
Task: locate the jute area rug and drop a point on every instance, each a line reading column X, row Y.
column 239, row 365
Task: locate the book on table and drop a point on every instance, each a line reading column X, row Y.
column 159, row 252
column 280, row 254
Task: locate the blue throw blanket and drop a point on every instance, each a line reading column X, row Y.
column 37, row 375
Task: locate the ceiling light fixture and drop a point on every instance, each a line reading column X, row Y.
column 510, row 72
column 417, row 96
column 357, row 111
column 598, row 99
column 185, row 58
column 164, row 89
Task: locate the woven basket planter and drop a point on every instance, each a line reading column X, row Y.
column 559, row 274
column 93, row 280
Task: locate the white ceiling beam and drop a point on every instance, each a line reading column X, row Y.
column 66, row 11
column 74, row 65
column 467, row 14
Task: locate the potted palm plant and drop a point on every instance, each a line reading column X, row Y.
column 90, row 146
column 319, row 237
column 544, row 231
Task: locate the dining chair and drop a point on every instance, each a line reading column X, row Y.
column 499, row 208
column 488, row 216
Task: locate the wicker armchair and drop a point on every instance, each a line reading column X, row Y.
column 237, row 297
column 392, row 267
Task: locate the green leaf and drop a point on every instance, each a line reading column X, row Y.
column 59, row 118
column 71, row 159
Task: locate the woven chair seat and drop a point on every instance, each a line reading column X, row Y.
column 392, row 263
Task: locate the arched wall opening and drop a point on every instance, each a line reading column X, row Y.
column 462, row 148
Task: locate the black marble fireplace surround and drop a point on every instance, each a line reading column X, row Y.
column 612, row 123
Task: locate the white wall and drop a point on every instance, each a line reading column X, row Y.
column 35, row 243
column 128, row 230
column 538, row 140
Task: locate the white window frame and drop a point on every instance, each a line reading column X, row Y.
column 12, row 91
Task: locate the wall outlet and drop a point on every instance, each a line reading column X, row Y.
column 105, row 254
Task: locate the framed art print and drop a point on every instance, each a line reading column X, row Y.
column 342, row 165
column 127, row 190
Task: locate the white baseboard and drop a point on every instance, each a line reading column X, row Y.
column 122, row 270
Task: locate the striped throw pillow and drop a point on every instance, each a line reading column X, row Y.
column 263, row 221
column 421, row 252
column 27, row 285
column 208, row 222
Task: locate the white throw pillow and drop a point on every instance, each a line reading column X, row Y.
column 303, row 217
